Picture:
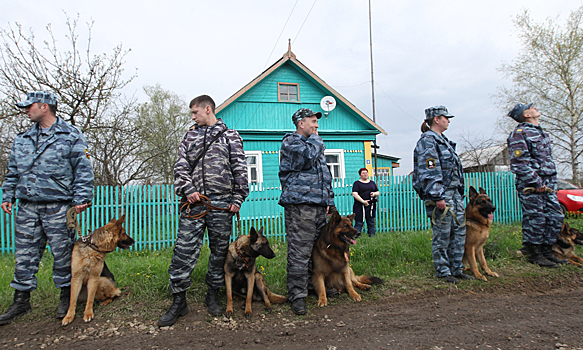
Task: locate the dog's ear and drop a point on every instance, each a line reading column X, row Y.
column 335, row 218
column 473, row 193
column 260, row 232
column 253, row 235
column 121, row 220
column 351, row 218
column 482, row 191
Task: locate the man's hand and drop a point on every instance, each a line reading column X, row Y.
column 542, row 189
column 7, row 207
column 81, row 208
column 193, row 198
column 233, row 208
column 366, row 202
column 440, row 204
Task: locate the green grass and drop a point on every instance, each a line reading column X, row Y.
column 401, row 259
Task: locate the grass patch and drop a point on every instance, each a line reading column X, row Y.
column 401, row 259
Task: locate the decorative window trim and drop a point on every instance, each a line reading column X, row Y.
column 340, row 154
column 259, row 165
column 279, row 95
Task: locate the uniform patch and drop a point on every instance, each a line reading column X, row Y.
column 518, row 129
column 431, row 163
column 517, row 153
column 87, row 153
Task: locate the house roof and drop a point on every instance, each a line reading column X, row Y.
column 289, row 56
column 469, row 158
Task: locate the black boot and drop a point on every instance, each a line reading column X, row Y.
column 212, row 302
column 547, row 252
column 64, row 304
column 535, row 256
column 177, row 309
column 20, row 306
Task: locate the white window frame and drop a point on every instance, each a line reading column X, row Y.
column 258, row 165
column 340, row 154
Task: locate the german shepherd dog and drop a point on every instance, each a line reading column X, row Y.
column 90, row 278
column 331, row 260
column 565, row 246
column 241, row 275
column 479, row 216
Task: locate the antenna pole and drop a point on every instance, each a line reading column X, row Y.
column 374, row 119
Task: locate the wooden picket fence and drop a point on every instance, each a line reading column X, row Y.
column 152, row 211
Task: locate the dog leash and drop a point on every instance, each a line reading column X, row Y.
column 529, row 190
column 204, row 200
column 72, row 219
column 447, row 209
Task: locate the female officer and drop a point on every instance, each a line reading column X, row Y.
column 438, row 179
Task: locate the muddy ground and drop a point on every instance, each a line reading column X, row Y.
column 536, row 314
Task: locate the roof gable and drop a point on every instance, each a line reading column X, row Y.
column 256, row 105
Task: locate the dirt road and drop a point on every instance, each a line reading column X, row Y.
column 533, row 315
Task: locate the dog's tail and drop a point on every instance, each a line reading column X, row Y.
column 276, row 298
column 369, row 279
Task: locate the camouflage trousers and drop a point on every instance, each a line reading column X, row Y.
column 218, row 224
column 35, row 224
column 447, row 245
column 542, row 217
column 302, row 226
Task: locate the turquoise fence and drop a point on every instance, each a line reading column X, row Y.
column 152, row 211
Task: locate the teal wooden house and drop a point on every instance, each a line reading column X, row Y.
column 261, row 112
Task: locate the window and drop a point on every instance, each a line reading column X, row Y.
column 335, row 162
column 254, row 166
column 288, row 92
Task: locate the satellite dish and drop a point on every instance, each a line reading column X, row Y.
column 328, row 103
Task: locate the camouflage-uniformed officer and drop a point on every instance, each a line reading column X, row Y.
column 211, row 162
column 48, row 172
column 438, row 179
column 531, row 160
column 306, row 195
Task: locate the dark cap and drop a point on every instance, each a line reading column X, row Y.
column 518, row 109
column 437, row 111
column 38, row 96
column 304, row 113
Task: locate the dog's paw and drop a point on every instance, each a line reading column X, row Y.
column 229, row 313
column 356, row 297
column 322, row 302
column 268, row 309
column 248, row 314
column 67, row 320
column 105, row 302
column 88, row 316
column 492, row 274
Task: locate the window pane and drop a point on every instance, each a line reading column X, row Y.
column 331, row 158
column 251, row 160
column 253, row 176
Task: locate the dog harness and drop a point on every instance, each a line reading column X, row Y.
column 204, row 200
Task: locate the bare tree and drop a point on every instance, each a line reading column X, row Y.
column 163, row 121
column 480, row 153
column 86, row 84
column 549, row 72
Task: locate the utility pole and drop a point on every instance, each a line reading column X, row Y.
column 374, row 119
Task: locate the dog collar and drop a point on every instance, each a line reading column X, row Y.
column 88, row 240
column 245, row 260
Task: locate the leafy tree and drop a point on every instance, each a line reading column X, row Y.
column 86, row 84
column 163, row 121
column 549, row 72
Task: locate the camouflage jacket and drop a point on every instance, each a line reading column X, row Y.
column 303, row 173
column 530, row 156
column 435, row 164
column 221, row 173
column 56, row 169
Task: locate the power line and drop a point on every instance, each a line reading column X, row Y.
column 305, row 20
column 282, row 29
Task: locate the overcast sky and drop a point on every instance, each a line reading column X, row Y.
column 425, row 52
